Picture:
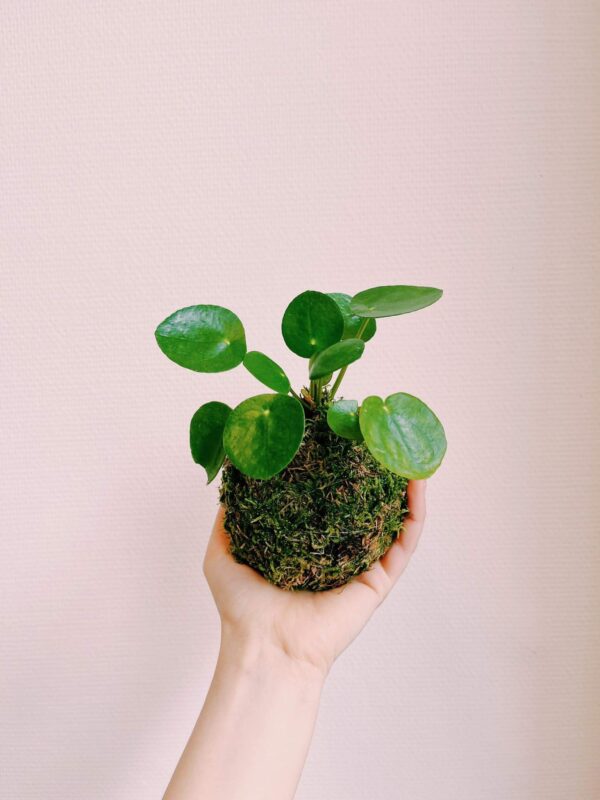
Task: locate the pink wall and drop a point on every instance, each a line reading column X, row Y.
column 160, row 154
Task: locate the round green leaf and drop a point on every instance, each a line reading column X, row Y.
column 352, row 322
column 311, row 322
column 206, row 436
column 266, row 371
column 342, row 418
column 263, row 433
column 403, row 434
column 203, row 338
column 336, row 356
column 389, row 301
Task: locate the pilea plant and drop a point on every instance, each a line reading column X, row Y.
column 314, row 487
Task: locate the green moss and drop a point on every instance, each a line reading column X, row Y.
column 328, row 516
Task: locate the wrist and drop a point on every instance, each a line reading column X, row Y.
column 252, row 652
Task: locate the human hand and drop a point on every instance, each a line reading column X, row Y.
column 311, row 628
column 277, row 646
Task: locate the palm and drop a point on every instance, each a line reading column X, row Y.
column 313, row 626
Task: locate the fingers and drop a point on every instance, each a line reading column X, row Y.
column 218, row 543
column 219, row 565
column 366, row 591
column 397, row 557
column 413, row 523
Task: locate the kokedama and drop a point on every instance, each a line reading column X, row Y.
column 314, row 487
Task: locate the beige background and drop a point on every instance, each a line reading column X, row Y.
column 160, row 154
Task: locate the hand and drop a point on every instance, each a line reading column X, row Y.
column 277, row 646
column 309, row 627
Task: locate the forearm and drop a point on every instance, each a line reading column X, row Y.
column 253, row 733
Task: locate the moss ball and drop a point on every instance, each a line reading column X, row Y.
column 328, row 516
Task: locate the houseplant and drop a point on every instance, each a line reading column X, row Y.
column 314, row 485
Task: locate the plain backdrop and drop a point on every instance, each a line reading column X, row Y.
column 161, row 154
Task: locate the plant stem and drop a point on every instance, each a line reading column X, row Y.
column 342, row 372
column 297, row 396
column 338, row 380
column 361, row 330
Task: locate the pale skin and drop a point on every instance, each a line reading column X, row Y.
column 277, row 647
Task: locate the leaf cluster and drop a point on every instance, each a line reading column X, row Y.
column 263, row 433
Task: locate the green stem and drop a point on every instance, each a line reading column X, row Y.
column 305, row 403
column 337, row 381
column 361, row 330
column 342, row 372
column 297, row 396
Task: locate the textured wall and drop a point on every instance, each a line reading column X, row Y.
column 160, row 154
